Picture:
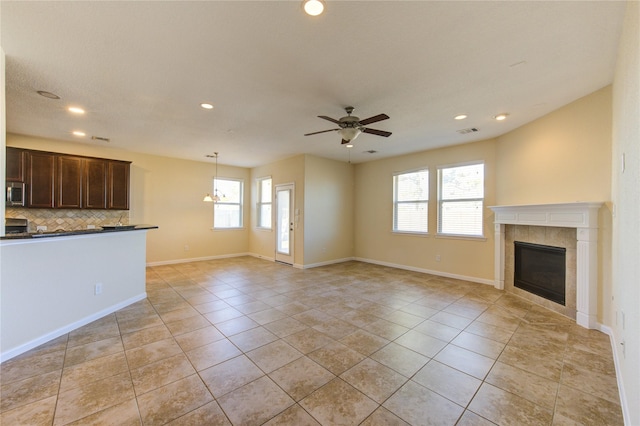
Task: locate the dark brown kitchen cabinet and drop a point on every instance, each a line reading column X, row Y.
column 118, row 185
column 95, row 183
column 68, row 182
column 41, row 167
column 15, row 171
column 55, row 180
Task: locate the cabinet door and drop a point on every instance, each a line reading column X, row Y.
column 15, row 165
column 40, row 179
column 95, row 184
column 118, row 185
column 69, row 182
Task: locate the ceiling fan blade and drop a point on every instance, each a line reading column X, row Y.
column 374, row 119
column 376, row 132
column 321, row 131
column 333, row 120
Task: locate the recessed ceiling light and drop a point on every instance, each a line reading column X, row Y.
column 48, row 94
column 460, row 117
column 78, row 133
column 206, row 106
column 500, row 117
column 76, row 110
column 313, row 7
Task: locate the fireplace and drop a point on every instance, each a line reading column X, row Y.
column 540, row 270
column 582, row 219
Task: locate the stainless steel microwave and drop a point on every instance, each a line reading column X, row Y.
column 15, row 194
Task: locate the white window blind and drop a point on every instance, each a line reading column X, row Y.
column 227, row 213
column 263, row 209
column 461, row 199
column 410, row 201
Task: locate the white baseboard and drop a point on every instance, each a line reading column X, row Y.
column 614, row 348
column 11, row 353
column 490, row 282
column 196, row 259
column 328, row 262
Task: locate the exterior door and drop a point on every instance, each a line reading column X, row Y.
column 284, row 223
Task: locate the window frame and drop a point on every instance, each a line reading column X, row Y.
column 441, row 201
column 396, row 203
column 240, row 204
column 260, row 203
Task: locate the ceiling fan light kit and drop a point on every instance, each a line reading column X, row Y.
column 351, row 126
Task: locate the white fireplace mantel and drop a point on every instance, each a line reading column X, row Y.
column 581, row 216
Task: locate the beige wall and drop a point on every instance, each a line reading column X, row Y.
column 564, row 157
column 561, row 157
column 167, row 192
column 625, row 318
column 374, row 241
column 329, row 211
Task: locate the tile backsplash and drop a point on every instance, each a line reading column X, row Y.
column 67, row 219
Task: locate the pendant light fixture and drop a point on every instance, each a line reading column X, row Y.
column 208, row 198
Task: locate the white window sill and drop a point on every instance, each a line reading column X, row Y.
column 462, row 237
column 411, row 234
column 227, row 229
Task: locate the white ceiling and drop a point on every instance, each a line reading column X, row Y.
column 141, row 70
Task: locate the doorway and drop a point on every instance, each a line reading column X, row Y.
column 284, row 223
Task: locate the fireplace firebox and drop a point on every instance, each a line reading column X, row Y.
column 541, row 270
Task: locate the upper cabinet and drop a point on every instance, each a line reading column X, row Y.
column 66, row 181
column 118, row 185
column 95, row 183
column 15, row 165
column 41, row 168
column 69, row 182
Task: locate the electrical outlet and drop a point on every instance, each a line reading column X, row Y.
column 624, row 320
column 91, row 227
column 437, row 258
column 41, row 228
column 186, row 247
column 97, row 289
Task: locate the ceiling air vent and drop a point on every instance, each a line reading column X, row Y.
column 100, row 138
column 371, row 151
column 469, row 130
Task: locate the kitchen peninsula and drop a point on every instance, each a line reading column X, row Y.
column 54, row 283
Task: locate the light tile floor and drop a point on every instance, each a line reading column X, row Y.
column 245, row 341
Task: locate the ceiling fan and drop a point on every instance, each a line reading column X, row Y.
column 351, row 126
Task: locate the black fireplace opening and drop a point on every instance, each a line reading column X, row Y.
column 541, row 270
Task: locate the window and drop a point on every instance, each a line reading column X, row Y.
column 227, row 213
column 263, row 208
column 410, row 201
column 461, row 199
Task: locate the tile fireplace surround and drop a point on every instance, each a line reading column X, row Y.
column 581, row 216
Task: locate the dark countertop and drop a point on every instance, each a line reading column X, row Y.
column 65, row 233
